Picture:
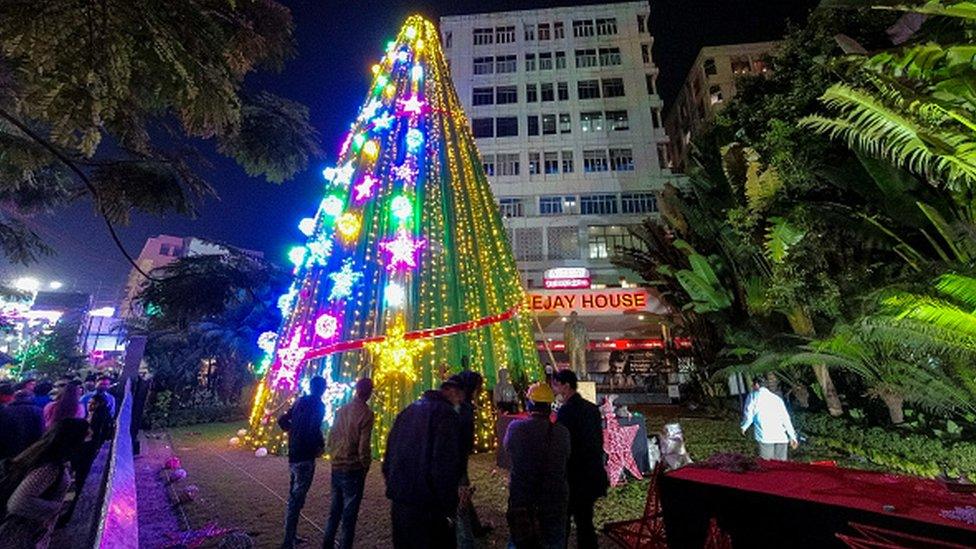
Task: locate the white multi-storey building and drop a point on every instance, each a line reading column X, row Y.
column 564, row 106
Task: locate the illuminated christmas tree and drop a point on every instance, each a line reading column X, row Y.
column 407, row 269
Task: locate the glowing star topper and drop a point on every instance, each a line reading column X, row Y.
column 343, row 280
column 412, row 105
column 332, row 206
column 401, row 207
column 289, row 359
column 326, row 326
column 383, row 121
column 415, row 138
column 395, row 355
column 406, row 172
column 395, row 295
column 403, row 250
column 364, row 189
column 307, row 226
column 348, row 225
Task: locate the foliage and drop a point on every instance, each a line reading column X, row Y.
column 54, row 353
column 109, row 99
column 166, row 411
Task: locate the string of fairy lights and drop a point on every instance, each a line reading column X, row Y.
column 407, row 271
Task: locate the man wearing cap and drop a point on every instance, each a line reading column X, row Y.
column 539, row 450
column 422, row 468
column 771, row 424
column 587, row 477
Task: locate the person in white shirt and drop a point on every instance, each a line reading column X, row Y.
column 771, row 425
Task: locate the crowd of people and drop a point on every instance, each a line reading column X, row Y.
column 50, row 433
column 557, row 471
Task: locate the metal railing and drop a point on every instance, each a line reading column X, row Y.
column 118, row 523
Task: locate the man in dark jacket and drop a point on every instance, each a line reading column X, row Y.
column 303, row 423
column 21, row 424
column 349, row 445
column 422, row 468
column 539, row 451
column 587, row 477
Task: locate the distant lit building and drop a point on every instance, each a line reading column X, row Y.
column 160, row 251
column 709, row 86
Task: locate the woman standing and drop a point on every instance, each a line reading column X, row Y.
column 68, row 405
column 36, row 481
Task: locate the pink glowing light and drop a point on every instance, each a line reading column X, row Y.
column 412, row 105
column 402, row 250
column 364, row 189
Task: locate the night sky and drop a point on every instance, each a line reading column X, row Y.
column 337, row 42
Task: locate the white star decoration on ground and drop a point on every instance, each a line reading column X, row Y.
column 343, row 281
column 402, row 250
column 290, row 358
column 364, row 189
column 412, row 105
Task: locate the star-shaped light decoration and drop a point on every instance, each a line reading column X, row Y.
column 383, row 122
column 402, row 250
column 364, row 189
column 289, row 360
column 319, row 251
column 266, row 341
column 412, row 105
column 415, row 139
column 343, row 280
column 307, row 226
column 348, row 225
column 401, row 207
column 369, row 111
column 618, row 442
column 332, row 205
column 326, row 326
column 394, row 356
column 405, row 172
column 344, row 175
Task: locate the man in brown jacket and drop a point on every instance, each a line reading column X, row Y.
column 351, row 456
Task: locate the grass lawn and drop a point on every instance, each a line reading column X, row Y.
column 238, row 490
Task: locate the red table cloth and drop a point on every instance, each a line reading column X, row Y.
column 786, row 499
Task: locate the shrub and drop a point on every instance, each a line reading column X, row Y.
column 202, row 407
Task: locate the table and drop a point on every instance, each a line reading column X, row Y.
column 639, row 447
column 799, row 505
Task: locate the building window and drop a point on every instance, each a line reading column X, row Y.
column 582, row 29
column 545, row 61
column 641, row 22
column 529, row 62
column 617, row 120
column 663, row 157
column 709, row 66
column 558, row 31
column 567, row 157
column 548, row 124
column 532, row 124
column 505, row 95
column 562, row 89
column 585, row 58
column 651, row 83
column 550, row 205
column 622, row 160
column 483, row 127
column 504, row 35
column 638, row 203
column 591, row 121
column 484, row 65
column 547, row 94
column 656, row 117
column 715, row 94
column 508, row 164
column 560, row 60
column 448, row 39
column 544, row 31
column 646, row 53
column 606, row 27
column 483, row 37
column 740, row 64
column 595, row 161
column 613, row 87
column 488, row 163
column 565, row 123
column 609, row 57
column 588, row 89
column 531, row 93
column 506, row 126
column 529, row 33
column 505, row 63
column 598, row 204
column 535, row 163
column 511, row 207
column 164, row 249
column 482, row 96
column 606, row 241
column 550, row 163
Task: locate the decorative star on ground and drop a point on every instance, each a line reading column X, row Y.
column 402, row 250
column 618, row 441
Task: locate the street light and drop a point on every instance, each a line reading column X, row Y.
column 55, row 285
column 27, row 284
